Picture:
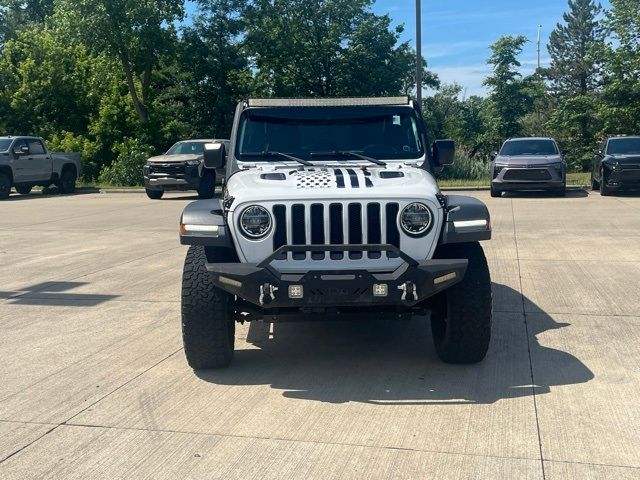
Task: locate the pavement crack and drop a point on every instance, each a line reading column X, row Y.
column 526, row 326
column 24, row 447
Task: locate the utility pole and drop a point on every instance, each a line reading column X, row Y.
column 539, row 30
column 419, row 52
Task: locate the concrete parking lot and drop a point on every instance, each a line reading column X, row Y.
column 94, row 384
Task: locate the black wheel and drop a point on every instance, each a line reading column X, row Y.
column 22, row 190
column 207, row 186
column 5, row 186
column 604, row 190
column 208, row 329
column 67, row 182
column 461, row 317
column 154, row 194
column 495, row 193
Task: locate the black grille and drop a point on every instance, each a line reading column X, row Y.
column 310, row 220
column 168, row 169
column 528, row 174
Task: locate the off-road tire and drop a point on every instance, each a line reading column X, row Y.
column 67, row 182
column 207, row 188
column 604, row 190
column 5, row 186
column 208, row 329
column 495, row 193
column 23, row 190
column 462, row 315
column 154, row 194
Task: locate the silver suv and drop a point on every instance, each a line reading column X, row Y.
column 529, row 164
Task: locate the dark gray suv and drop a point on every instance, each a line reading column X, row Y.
column 529, row 164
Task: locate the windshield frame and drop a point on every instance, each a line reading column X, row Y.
column 530, row 140
column 312, row 113
column 612, row 141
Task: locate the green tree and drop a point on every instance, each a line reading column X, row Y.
column 46, row 84
column 575, row 47
column 136, row 33
column 511, row 96
column 326, row 48
column 215, row 68
column 16, row 15
column 620, row 109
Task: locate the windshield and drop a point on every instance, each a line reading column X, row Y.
column 5, row 143
column 624, row 146
column 529, row 147
column 187, row 148
column 329, row 133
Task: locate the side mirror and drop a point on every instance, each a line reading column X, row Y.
column 597, row 152
column 494, row 153
column 214, row 155
column 444, row 152
column 23, row 150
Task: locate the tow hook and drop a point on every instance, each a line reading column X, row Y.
column 409, row 289
column 267, row 294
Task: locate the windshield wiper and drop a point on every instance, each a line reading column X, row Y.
column 348, row 154
column 267, row 154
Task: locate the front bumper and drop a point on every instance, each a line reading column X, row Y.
column 626, row 178
column 171, row 177
column 408, row 285
column 544, row 177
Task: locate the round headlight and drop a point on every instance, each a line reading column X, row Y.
column 255, row 222
column 416, row 219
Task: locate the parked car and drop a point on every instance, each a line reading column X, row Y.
column 181, row 168
column 616, row 165
column 331, row 210
column 529, row 164
column 25, row 162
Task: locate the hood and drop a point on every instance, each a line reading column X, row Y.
column 528, row 160
column 271, row 183
column 174, row 158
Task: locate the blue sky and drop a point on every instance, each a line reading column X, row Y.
column 457, row 33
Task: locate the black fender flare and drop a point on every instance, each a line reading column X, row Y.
column 203, row 222
column 467, row 219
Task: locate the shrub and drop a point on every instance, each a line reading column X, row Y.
column 465, row 168
column 89, row 151
column 126, row 169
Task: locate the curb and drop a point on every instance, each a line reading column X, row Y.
column 105, row 191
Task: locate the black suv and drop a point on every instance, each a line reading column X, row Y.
column 616, row 165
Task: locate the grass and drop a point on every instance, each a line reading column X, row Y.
column 579, row 179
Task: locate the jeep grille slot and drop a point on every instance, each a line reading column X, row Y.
column 393, row 234
column 280, row 233
column 298, row 230
column 352, row 223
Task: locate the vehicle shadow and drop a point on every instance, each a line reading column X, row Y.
column 394, row 362
column 54, row 294
column 571, row 193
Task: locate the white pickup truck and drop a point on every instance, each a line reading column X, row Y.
column 25, row 162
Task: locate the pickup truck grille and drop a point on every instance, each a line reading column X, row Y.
column 528, row 174
column 168, row 169
column 339, row 223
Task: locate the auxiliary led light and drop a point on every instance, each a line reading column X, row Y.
column 380, row 290
column 296, row 291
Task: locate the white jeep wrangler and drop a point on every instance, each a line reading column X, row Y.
column 330, row 210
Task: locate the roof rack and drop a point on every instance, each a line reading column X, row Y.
column 328, row 102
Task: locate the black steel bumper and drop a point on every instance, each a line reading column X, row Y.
column 264, row 286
